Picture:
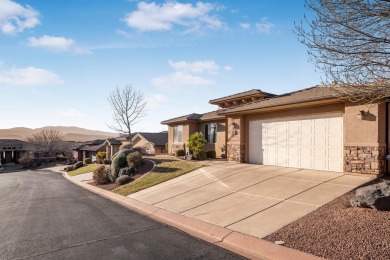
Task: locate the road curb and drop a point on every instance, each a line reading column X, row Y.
column 242, row 244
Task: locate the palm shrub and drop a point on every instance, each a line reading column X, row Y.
column 196, row 143
column 100, row 176
column 134, row 159
column 119, row 161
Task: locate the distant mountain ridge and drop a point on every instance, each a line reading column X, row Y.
column 71, row 133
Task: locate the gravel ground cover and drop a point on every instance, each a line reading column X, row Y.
column 338, row 231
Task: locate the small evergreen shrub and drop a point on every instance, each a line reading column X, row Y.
column 106, row 161
column 78, row 165
column 87, row 161
column 100, row 176
column 124, row 179
column 125, row 146
column 119, row 161
column 200, row 155
column 180, row 153
column 134, row 159
column 211, row 154
column 69, row 168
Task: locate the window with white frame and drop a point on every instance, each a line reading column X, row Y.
column 178, row 134
column 210, row 132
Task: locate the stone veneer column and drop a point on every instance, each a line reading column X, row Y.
column 369, row 160
column 235, row 152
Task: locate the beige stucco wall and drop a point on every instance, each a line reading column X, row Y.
column 221, row 128
column 142, row 143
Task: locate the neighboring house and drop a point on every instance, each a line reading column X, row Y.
column 112, row 147
column 150, row 143
column 11, row 150
column 309, row 129
column 89, row 150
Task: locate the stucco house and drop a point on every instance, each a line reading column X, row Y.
column 89, row 150
column 310, row 129
column 11, row 150
column 150, row 143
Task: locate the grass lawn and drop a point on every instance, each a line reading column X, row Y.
column 165, row 170
column 85, row 169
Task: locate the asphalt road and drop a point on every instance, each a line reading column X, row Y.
column 43, row 216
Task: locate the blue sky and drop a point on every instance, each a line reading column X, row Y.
column 60, row 59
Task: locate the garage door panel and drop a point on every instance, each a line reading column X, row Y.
column 313, row 142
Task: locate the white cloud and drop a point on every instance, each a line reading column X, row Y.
column 155, row 100
column 227, row 68
column 163, row 17
column 264, row 26
column 29, row 76
column 209, row 66
column 16, row 18
column 245, row 25
column 180, row 78
column 51, row 42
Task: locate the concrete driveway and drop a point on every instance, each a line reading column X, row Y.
column 252, row 199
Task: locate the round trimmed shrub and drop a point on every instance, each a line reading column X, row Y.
column 78, row 165
column 127, row 145
column 211, row 154
column 200, row 155
column 180, row 152
column 134, row 159
column 100, row 176
column 119, row 161
column 87, row 161
column 124, row 179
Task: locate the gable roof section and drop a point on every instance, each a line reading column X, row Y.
column 301, row 96
column 158, row 139
column 113, row 141
column 194, row 118
column 245, row 94
column 93, row 148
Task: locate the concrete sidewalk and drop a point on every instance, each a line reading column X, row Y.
column 256, row 200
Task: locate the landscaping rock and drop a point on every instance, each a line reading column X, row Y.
column 376, row 196
column 126, row 171
column 189, row 157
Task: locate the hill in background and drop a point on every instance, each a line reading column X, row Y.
column 71, row 133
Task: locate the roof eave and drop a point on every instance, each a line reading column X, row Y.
column 311, row 102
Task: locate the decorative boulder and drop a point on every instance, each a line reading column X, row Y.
column 126, row 171
column 376, row 196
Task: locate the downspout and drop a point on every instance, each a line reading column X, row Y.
column 387, row 138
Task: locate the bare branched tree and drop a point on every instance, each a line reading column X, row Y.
column 48, row 141
column 349, row 40
column 128, row 106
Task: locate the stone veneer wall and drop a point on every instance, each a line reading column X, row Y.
column 175, row 147
column 370, row 160
column 235, row 152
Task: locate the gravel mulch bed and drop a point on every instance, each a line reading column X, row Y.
column 147, row 167
column 338, row 231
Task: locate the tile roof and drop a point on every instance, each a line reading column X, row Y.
column 158, row 139
column 241, row 94
column 195, row 117
column 113, row 141
column 304, row 95
column 15, row 144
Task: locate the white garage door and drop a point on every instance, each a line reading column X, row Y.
column 310, row 142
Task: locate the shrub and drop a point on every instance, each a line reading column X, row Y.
column 70, row 168
column 196, row 142
column 134, row 159
column 211, row 154
column 100, row 175
column 106, row 161
column 78, row 165
column 87, row 161
column 124, row 179
column 119, row 161
column 25, row 160
column 200, row 154
column 101, row 154
column 125, row 146
column 180, row 152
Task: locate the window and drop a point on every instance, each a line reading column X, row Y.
column 178, row 134
column 210, row 131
